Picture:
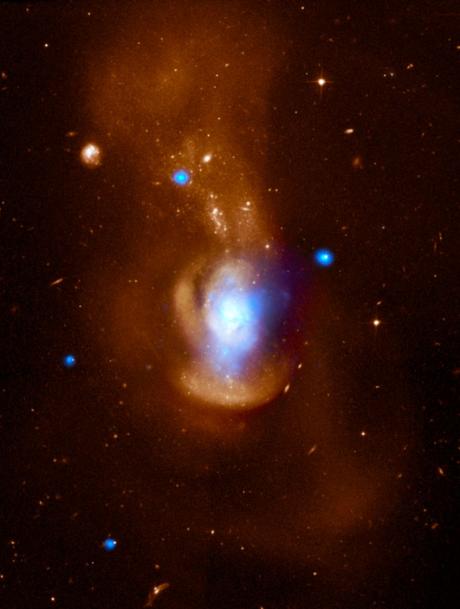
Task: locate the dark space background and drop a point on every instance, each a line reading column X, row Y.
column 79, row 462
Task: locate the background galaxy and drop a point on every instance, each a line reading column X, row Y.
column 201, row 408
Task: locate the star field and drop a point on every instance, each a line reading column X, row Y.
column 229, row 348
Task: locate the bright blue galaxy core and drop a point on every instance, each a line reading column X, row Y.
column 181, row 177
column 234, row 312
column 109, row 544
column 324, row 257
column 69, row 361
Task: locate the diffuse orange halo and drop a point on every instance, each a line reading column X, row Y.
column 189, row 113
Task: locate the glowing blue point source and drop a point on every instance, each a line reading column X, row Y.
column 181, row 177
column 109, row 544
column 69, row 360
column 324, row 257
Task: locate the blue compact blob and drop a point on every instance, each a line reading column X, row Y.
column 109, row 544
column 69, row 360
column 324, row 257
column 181, row 177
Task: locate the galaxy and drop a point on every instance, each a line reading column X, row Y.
column 236, row 320
column 229, row 354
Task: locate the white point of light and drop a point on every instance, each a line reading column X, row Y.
column 321, row 81
column 207, row 158
column 376, row 323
